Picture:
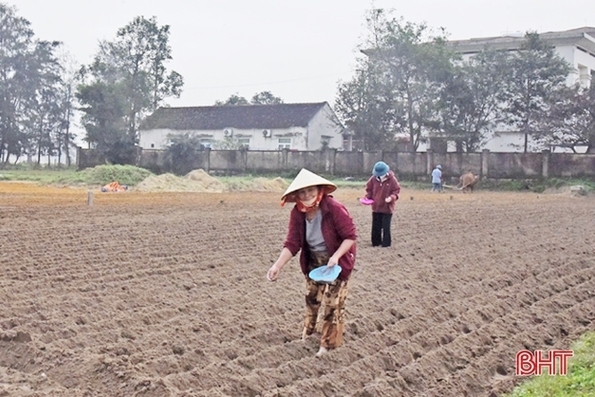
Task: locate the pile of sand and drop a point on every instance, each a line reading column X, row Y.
column 209, row 183
column 258, row 185
column 200, row 181
column 193, row 182
column 270, row 185
column 574, row 191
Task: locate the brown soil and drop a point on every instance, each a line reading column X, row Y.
column 165, row 294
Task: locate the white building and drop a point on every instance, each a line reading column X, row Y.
column 295, row 126
column 576, row 46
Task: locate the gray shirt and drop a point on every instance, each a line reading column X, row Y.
column 314, row 233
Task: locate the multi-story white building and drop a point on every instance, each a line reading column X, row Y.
column 576, row 46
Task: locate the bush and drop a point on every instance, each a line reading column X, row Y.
column 182, row 153
column 104, row 174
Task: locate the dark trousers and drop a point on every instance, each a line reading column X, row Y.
column 381, row 229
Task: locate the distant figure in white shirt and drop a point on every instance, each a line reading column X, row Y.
column 437, row 179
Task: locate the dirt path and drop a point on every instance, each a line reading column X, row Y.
column 166, row 295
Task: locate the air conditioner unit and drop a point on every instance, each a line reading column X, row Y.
column 228, row 132
column 267, row 133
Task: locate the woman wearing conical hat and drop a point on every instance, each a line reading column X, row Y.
column 323, row 230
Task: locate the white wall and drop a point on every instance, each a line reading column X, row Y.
column 514, row 142
column 259, row 142
column 575, row 57
column 308, row 138
column 324, row 123
column 158, row 137
column 504, row 141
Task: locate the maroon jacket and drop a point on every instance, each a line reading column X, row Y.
column 379, row 191
column 336, row 226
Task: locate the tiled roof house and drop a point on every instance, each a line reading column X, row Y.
column 296, row 126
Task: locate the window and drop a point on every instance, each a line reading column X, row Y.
column 245, row 142
column 284, row 143
column 584, row 76
column 152, row 145
column 206, row 143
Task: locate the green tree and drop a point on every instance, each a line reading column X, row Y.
column 17, row 81
column 364, row 106
column 260, row 98
column 233, row 100
column 43, row 113
column 139, row 54
column 570, row 123
column 133, row 66
column 413, row 64
column 30, row 74
column 265, row 98
column 104, row 109
column 471, row 100
column 182, row 152
column 536, row 74
column 228, row 144
column 66, row 99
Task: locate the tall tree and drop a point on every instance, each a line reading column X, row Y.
column 570, row 123
column 139, row 54
column 134, row 67
column 471, row 101
column 16, row 87
column 29, row 76
column 536, row 73
column 66, row 98
column 365, row 106
column 104, row 110
column 44, row 113
column 414, row 64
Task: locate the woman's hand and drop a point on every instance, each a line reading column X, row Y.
column 388, row 199
column 332, row 261
column 342, row 250
column 273, row 273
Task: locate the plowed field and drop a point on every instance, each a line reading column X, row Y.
column 166, row 294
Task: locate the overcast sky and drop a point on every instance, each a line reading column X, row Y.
column 297, row 49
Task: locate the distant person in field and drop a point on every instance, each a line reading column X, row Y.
column 323, row 230
column 437, row 179
column 384, row 188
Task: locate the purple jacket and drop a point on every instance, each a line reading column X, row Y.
column 336, row 226
column 379, row 191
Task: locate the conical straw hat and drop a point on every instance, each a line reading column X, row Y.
column 304, row 179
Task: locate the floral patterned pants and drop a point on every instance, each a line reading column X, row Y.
column 330, row 320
